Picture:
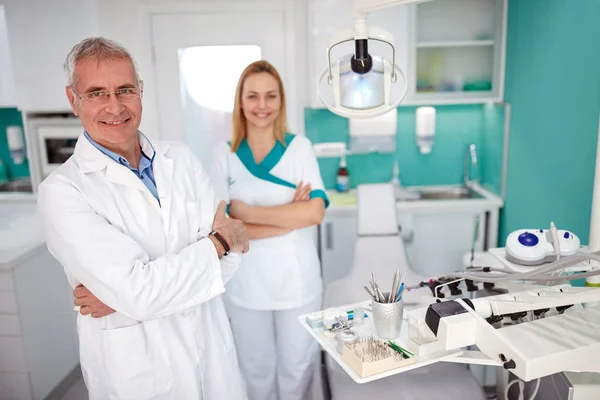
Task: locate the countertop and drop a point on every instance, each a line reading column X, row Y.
column 345, row 203
column 20, row 233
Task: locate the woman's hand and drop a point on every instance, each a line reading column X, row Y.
column 302, row 192
column 239, row 210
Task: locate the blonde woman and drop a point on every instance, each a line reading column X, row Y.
column 271, row 180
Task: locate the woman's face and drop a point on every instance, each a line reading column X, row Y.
column 261, row 99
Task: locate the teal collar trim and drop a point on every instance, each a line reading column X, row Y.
column 276, row 152
column 263, row 169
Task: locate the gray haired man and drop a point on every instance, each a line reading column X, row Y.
column 143, row 239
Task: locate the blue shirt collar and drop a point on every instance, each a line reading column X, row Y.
column 145, row 144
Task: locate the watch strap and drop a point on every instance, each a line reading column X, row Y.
column 221, row 240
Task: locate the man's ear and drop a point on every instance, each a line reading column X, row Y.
column 71, row 98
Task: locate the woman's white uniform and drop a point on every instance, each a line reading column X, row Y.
column 279, row 277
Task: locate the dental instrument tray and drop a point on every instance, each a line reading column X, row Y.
column 368, row 371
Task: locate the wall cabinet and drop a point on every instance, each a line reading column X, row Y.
column 457, row 51
column 41, row 35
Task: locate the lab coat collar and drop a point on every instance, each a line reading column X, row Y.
column 90, row 159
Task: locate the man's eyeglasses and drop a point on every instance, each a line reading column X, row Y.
column 125, row 95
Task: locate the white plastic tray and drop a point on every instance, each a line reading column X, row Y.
column 329, row 345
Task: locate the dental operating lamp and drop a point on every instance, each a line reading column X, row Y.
column 364, row 85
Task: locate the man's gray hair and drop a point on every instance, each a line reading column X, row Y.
column 95, row 48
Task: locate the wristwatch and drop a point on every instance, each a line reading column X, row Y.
column 221, row 240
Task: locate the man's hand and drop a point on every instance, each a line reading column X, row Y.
column 89, row 304
column 302, row 192
column 233, row 231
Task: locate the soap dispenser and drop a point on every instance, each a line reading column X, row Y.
column 342, row 180
column 425, row 124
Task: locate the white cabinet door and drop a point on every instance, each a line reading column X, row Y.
column 457, row 51
column 436, row 243
column 337, row 237
column 328, row 17
column 41, row 34
column 440, row 241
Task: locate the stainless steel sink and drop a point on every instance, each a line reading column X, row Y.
column 19, row 185
column 456, row 193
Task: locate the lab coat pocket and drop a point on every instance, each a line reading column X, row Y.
column 136, row 362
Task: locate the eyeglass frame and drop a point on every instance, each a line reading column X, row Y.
column 87, row 99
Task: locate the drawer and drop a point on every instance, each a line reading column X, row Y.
column 8, row 302
column 10, row 325
column 12, row 355
column 7, row 283
column 15, row 387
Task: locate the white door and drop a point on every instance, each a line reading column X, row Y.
column 198, row 60
column 7, row 90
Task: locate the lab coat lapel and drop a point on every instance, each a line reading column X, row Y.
column 163, row 175
column 91, row 159
column 122, row 175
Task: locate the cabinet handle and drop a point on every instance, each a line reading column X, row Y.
column 329, row 235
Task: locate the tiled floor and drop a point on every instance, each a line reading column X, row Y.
column 77, row 392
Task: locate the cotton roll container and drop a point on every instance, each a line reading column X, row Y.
column 347, row 336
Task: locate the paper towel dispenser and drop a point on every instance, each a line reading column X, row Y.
column 374, row 134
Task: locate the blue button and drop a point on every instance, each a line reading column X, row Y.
column 528, row 239
column 566, row 235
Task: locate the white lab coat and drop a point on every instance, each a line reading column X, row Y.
column 170, row 338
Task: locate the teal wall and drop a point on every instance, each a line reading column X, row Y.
column 492, row 159
column 553, row 84
column 8, row 117
column 457, row 126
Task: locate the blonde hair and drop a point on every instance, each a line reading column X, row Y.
column 239, row 131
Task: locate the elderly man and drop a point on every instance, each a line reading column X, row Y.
column 137, row 224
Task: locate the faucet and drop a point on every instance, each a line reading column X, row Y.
column 470, row 160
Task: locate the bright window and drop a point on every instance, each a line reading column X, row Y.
column 210, row 73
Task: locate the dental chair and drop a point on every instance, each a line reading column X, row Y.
column 379, row 249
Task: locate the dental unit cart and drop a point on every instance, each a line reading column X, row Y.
column 550, row 329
